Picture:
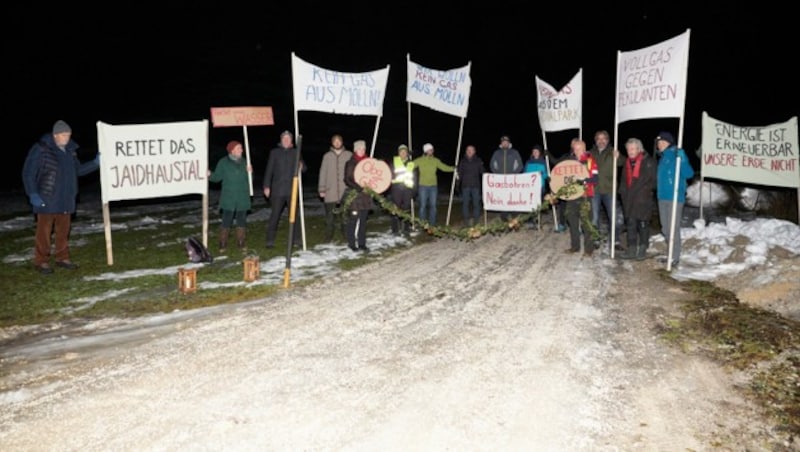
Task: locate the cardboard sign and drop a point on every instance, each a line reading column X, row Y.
column 241, row 116
column 565, row 173
column 373, row 173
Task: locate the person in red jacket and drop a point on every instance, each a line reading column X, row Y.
column 575, row 220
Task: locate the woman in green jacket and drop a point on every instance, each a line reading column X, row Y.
column 234, row 199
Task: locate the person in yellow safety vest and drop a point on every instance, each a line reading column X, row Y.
column 404, row 187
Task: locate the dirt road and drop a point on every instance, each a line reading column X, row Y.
column 505, row 343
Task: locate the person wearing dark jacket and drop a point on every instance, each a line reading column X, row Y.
column 636, row 189
column 234, row 199
column 470, row 176
column 50, row 176
column 506, row 160
column 358, row 209
column 278, row 179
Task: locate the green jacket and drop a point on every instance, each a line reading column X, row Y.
column 427, row 165
column 235, row 193
column 605, row 165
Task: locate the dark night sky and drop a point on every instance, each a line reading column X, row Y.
column 133, row 64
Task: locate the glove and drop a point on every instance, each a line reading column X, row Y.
column 36, row 200
column 580, row 181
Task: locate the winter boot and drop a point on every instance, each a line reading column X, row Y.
column 641, row 252
column 241, row 233
column 223, row 239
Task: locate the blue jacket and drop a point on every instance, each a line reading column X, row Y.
column 666, row 174
column 53, row 173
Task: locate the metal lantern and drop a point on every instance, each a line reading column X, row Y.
column 251, row 268
column 187, row 280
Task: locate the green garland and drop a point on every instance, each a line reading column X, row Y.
column 496, row 226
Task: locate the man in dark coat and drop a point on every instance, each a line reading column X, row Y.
column 638, row 201
column 278, row 179
column 50, row 176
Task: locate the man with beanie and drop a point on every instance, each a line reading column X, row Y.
column 506, row 160
column 404, row 185
column 50, row 176
column 234, row 199
column 668, row 198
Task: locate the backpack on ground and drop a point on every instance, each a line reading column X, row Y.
column 197, row 252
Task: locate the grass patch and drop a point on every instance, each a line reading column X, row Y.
column 761, row 342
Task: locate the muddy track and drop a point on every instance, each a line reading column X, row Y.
column 502, row 343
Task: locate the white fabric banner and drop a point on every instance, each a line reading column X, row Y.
column 325, row 90
column 152, row 160
column 560, row 110
column 444, row 91
column 512, row 192
column 765, row 155
column 651, row 82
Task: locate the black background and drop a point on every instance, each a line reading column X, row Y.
column 135, row 64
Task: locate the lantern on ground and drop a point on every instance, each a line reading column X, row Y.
column 251, row 268
column 187, row 280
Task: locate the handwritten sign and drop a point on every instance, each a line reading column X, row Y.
column 560, row 110
column 512, row 192
column 373, row 173
column 444, row 91
column 565, row 173
column 765, row 155
column 241, row 116
column 651, row 82
column 152, row 160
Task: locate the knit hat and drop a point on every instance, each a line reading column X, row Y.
column 505, row 138
column 286, row 132
column 401, row 147
column 61, row 127
column 232, row 144
column 427, row 147
column 666, row 136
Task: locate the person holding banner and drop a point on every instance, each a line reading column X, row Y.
column 50, row 176
column 278, row 178
column 575, row 206
column 404, row 185
column 604, row 192
column 359, row 207
column 636, row 190
column 470, row 176
column 506, row 160
column 671, row 198
column 234, row 198
column 537, row 164
column 331, row 184
column 428, row 165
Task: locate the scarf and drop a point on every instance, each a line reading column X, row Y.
column 357, row 158
column 632, row 169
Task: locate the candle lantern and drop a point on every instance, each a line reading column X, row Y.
column 251, row 269
column 187, row 280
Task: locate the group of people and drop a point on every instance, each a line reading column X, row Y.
column 51, row 170
column 643, row 184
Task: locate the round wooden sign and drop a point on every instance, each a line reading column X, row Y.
column 373, row 173
column 565, row 173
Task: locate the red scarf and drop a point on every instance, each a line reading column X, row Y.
column 632, row 168
column 357, row 158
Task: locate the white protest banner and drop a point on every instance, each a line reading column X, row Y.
column 651, row 82
column 444, row 91
column 765, row 155
column 140, row 161
column 560, row 110
column 325, row 90
column 512, row 192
